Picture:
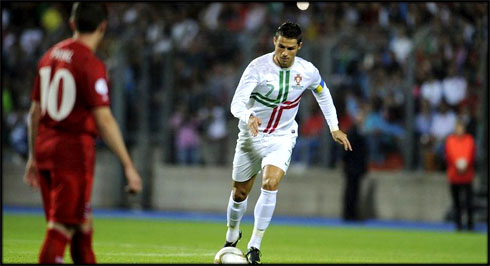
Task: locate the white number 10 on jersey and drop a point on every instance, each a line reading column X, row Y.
column 50, row 90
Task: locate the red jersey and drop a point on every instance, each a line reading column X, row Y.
column 70, row 82
column 460, row 147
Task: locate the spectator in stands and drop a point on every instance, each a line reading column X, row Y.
column 18, row 137
column 381, row 134
column 454, row 87
column 213, row 118
column 401, row 45
column 432, row 90
column 460, row 159
column 423, row 123
column 187, row 140
column 443, row 123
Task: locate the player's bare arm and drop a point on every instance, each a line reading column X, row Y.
column 30, row 175
column 110, row 133
column 341, row 138
column 253, row 124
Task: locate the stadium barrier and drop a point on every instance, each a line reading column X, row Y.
column 396, row 195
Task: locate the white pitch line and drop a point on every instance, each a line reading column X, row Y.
column 142, row 254
column 205, row 252
column 159, row 254
column 21, row 240
column 96, row 243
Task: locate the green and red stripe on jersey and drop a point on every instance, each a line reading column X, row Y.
column 278, row 110
column 274, row 102
column 279, row 104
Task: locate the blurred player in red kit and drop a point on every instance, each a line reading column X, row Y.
column 70, row 108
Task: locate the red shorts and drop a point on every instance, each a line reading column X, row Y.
column 66, row 195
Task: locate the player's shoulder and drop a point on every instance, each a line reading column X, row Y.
column 83, row 53
column 71, row 52
column 262, row 63
column 263, row 59
column 53, row 51
column 305, row 64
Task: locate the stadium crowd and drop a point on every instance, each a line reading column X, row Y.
column 381, row 54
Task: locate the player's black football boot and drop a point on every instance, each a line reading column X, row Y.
column 253, row 256
column 233, row 244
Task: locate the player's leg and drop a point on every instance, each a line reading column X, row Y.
column 355, row 179
column 266, row 203
column 276, row 159
column 237, row 206
column 456, row 205
column 57, row 237
column 246, row 165
column 81, row 243
column 57, row 234
column 469, row 204
column 348, row 212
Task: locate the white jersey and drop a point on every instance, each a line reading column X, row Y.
column 273, row 94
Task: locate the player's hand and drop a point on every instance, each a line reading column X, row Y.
column 253, row 124
column 31, row 176
column 341, row 138
column 134, row 180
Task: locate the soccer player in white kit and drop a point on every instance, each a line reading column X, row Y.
column 266, row 102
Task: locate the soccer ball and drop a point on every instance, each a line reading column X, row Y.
column 230, row 255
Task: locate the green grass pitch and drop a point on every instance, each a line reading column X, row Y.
column 129, row 240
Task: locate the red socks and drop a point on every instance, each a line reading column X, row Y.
column 81, row 248
column 53, row 249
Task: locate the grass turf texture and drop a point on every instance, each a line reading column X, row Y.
column 128, row 240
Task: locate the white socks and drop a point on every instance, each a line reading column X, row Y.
column 264, row 209
column 263, row 215
column 234, row 215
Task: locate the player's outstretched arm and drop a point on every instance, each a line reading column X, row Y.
column 341, row 137
column 110, row 133
column 30, row 175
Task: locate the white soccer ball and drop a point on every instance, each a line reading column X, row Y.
column 230, row 255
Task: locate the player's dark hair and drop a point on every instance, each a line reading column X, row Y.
column 290, row 30
column 88, row 15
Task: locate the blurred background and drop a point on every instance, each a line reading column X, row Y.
column 408, row 69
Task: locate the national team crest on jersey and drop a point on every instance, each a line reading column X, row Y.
column 298, row 80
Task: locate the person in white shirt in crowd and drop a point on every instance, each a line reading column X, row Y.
column 432, row 90
column 443, row 124
column 213, row 117
column 454, row 87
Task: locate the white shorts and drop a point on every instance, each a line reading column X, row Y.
column 253, row 153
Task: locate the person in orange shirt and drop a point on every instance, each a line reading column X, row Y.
column 460, row 159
